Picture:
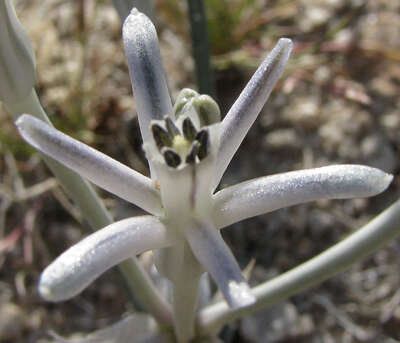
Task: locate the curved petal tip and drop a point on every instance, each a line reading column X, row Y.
column 45, row 291
column 286, row 44
column 374, row 180
column 281, row 52
column 384, row 181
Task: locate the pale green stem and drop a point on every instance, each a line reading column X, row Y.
column 381, row 230
column 185, row 281
column 92, row 208
column 184, row 304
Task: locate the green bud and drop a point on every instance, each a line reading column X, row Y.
column 207, row 110
column 185, row 96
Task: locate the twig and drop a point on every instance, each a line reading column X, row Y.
column 68, row 206
column 343, row 319
column 390, row 307
column 4, row 206
column 37, row 189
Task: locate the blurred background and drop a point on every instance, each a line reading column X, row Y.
column 337, row 102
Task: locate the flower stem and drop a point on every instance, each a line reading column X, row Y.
column 381, row 230
column 200, row 47
column 141, row 289
column 185, row 294
column 184, row 272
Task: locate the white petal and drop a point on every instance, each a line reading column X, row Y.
column 246, row 108
column 270, row 193
column 77, row 267
column 91, row 164
column 146, row 71
column 215, row 256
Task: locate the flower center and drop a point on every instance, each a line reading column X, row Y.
column 180, row 146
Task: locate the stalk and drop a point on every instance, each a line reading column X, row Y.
column 201, row 48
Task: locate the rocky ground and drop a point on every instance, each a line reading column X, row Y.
column 338, row 102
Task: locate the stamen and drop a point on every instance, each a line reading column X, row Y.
column 171, row 127
column 171, row 157
column 185, row 144
column 191, row 157
column 161, row 137
column 189, row 131
column 202, row 138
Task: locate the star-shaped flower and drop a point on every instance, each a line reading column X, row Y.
column 188, row 148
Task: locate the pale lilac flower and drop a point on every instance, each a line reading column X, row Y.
column 188, row 148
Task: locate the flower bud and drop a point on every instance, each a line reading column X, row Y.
column 17, row 61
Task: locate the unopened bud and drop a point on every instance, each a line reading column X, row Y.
column 207, row 110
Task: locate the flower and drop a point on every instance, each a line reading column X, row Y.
column 17, row 61
column 188, row 148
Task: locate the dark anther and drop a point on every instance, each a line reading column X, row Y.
column 202, row 138
column 171, row 157
column 161, row 137
column 194, row 149
column 171, row 127
column 189, row 131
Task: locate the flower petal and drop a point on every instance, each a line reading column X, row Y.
column 91, row 164
column 215, row 256
column 269, row 193
column 77, row 267
column 246, row 108
column 146, row 71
